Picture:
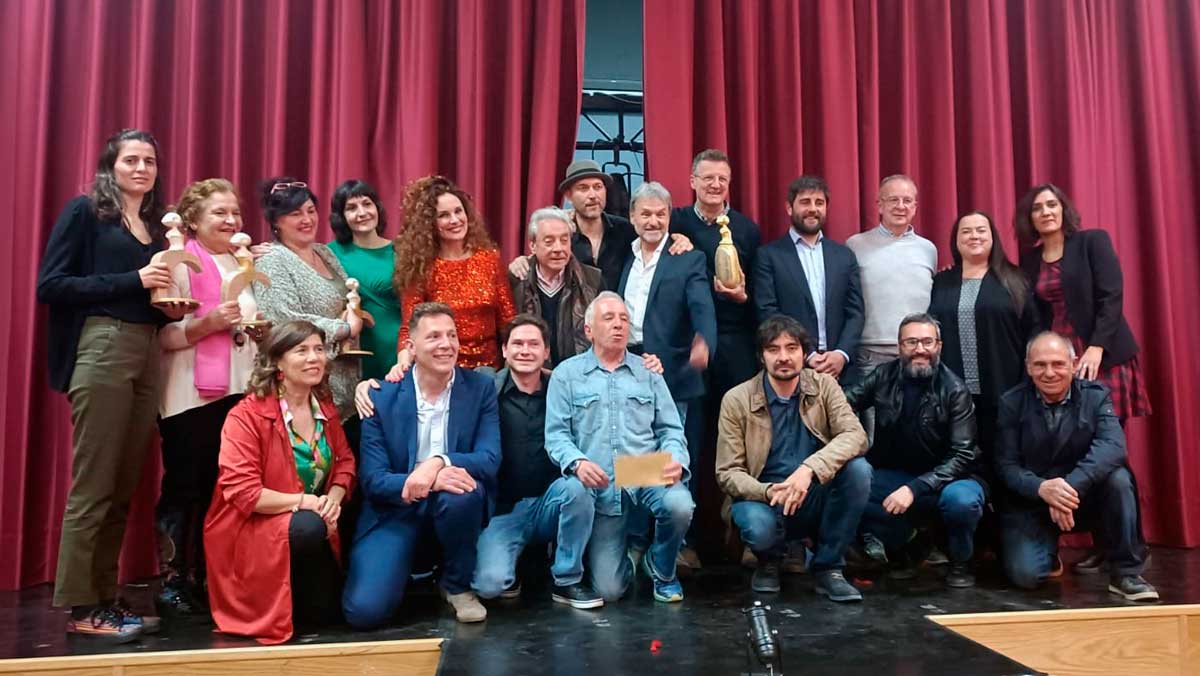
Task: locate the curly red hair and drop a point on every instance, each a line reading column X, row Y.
column 417, row 245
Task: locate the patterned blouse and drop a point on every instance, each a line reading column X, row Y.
column 476, row 288
column 298, row 292
column 313, row 456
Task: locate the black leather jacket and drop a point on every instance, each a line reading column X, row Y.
column 947, row 426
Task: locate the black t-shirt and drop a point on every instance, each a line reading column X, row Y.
column 615, row 249
column 526, row 470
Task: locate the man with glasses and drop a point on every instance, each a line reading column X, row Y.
column 1061, row 460
column 924, row 455
column 897, row 267
column 735, row 350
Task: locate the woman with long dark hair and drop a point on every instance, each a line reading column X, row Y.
column 205, row 363
column 987, row 314
column 285, row 469
column 359, row 220
column 444, row 255
column 1079, row 288
column 96, row 276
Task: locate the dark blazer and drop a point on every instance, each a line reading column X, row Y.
column 1000, row 333
column 947, row 425
column 1087, row 447
column 680, row 305
column 1093, row 289
column 780, row 287
column 388, row 449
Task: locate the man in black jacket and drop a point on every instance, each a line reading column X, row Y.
column 1061, row 458
column 924, row 452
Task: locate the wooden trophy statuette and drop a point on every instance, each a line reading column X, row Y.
column 350, row 346
column 246, row 275
column 728, row 268
column 174, row 255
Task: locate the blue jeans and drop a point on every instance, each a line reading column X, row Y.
column 959, row 503
column 382, row 558
column 1109, row 511
column 671, row 507
column 829, row 514
column 563, row 514
column 637, row 523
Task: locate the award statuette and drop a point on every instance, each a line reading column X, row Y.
column 174, row 255
column 728, row 268
column 350, row 346
column 246, row 274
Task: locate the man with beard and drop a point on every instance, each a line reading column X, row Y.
column 778, row 432
column 812, row 279
column 924, row 454
column 598, row 238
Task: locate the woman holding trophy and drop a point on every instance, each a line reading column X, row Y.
column 207, row 358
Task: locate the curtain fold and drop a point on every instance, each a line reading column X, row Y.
column 977, row 101
column 487, row 93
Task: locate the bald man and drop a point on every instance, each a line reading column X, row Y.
column 1061, row 458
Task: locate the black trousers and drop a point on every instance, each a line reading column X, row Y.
column 316, row 578
column 191, row 443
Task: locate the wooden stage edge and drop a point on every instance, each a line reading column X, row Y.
column 1143, row 640
column 416, row 657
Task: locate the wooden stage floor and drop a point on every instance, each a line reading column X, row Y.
column 889, row 633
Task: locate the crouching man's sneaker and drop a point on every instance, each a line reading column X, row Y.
column 832, row 583
column 577, row 595
column 1133, row 588
column 467, row 607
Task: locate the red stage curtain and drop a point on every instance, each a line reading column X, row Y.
column 485, row 92
column 978, row 101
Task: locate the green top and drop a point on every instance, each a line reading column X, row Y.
column 373, row 270
column 313, row 456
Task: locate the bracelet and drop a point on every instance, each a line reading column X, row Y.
column 296, row 507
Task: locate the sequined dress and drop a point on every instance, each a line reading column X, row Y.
column 476, row 288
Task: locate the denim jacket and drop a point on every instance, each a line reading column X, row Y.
column 596, row 414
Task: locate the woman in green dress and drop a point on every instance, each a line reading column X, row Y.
column 359, row 220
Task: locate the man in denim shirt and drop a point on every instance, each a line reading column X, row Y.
column 602, row 403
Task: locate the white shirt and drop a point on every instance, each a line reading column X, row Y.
column 637, row 286
column 432, row 420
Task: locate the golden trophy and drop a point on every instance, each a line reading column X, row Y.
column 350, row 346
column 728, row 268
column 174, row 255
column 245, row 276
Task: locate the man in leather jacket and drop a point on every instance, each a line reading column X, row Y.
column 924, row 453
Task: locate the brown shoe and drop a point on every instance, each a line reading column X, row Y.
column 467, row 607
column 794, row 560
column 687, row 558
column 749, row 560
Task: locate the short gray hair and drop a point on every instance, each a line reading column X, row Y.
column 898, row 177
column 919, row 318
column 589, row 315
column 1050, row 334
column 547, row 214
column 650, row 190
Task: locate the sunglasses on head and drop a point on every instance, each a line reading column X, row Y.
column 287, row 186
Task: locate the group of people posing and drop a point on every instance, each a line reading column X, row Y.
column 842, row 395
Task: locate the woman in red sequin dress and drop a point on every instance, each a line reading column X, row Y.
column 444, row 255
column 1077, row 282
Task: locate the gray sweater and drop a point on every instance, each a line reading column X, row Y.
column 897, row 276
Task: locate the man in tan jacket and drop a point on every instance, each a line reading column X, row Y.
column 778, row 431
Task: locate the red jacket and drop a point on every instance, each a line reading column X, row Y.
column 249, row 570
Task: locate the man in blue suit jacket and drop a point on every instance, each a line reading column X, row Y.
column 812, row 279
column 670, row 304
column 428, row 461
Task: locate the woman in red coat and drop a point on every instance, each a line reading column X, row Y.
column 285, row 469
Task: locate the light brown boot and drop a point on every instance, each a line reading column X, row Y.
column 467, row 607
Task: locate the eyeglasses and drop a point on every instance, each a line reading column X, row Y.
column 927, row 343
column 709, row 180
column 287, row 186
column 893, row 201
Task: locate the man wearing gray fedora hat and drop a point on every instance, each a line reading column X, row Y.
column 599, row 239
